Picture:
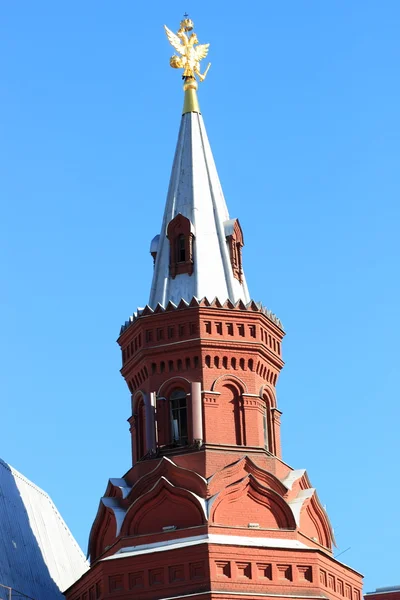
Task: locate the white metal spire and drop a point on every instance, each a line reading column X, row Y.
column 195, row 192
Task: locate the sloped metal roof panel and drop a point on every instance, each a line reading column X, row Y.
column 38, row 554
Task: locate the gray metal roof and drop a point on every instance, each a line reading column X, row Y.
column 195, row 192
column 38, row 555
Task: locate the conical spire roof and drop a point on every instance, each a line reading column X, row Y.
column 208, row 262
column 195, row 192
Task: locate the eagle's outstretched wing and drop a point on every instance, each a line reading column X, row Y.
column 201, row 51
column 174, row 40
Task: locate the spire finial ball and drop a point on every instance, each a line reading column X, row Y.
column 190, row 84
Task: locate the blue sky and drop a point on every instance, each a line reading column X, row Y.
column 302, row 110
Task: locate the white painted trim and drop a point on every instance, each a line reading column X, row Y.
column 219, row 539
column 195, row 192
column 249, row 594
column 390, row 590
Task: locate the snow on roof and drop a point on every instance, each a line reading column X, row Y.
column 38, row 554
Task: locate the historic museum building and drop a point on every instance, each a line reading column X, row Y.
column 208, row 508
column 39, row 557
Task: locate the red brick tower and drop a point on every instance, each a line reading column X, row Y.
column 208, row 508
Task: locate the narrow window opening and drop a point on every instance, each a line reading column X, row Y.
column 140, row 430
column 181, row 248
column 265, row 427
column 179, row 417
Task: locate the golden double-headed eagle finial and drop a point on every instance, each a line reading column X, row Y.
column 189, row 49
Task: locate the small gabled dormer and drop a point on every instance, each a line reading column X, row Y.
column 180, row 233
column 155, row 242
column 235, row 241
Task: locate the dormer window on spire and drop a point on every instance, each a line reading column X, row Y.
column 234, row 238
column 180, row 235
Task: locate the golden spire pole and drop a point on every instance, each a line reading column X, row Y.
column 191, row 53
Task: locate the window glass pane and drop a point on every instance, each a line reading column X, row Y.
column 181, row 249
column 179, row 416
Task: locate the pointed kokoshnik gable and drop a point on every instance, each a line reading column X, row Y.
column 198, row 252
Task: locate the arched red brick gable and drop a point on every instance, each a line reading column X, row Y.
column 314, row 522
column 176, row 475
column 103, row 532
column 164, row 505
column 247, row 501
column 240, row 469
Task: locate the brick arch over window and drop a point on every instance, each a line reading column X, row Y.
column 228, row 378
column 231, row 410
column 180, row 234
column 164, row 410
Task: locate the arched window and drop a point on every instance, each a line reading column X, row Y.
column 180, row 234
column 234, row 238
column 140, row 430
column 269, row 437
column 178, row 408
